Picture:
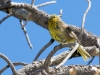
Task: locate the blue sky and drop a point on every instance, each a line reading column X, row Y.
column 13, row 43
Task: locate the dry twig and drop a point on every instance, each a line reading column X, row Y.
column 8, row 15
column 25, row 32
column 32, row 3
column 91, row 60
column 44, row 4
column 43, row 49
column 86, row 12
column 47, row 60
column 9, row 63
column 15, row 64
column 68, row 56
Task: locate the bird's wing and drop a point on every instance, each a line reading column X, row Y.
column 72, row 34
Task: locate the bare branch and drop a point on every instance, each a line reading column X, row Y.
column 27, row 37
column 23, row 26
column 32, row 3
column 61, row 12
column 8, row 15
column 69, row 55
column 46, row 3
column 47, row 60
column 43, row 49
column 72, row 70
column 9, row 63
column 15, row 64
column 37, row 65
column 5, row 1
column 56, row 48
column 91, row 60
column 86, row 12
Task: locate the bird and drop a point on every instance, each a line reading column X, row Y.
column 61, row 32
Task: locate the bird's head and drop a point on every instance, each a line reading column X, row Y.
column 54, row 18
column 54, row 22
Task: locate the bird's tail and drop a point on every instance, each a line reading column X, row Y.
column 83, row 52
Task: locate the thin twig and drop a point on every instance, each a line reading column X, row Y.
column 93, row 50
column 27, row 37
column 46, row 3
column 56, row 48
column 43, row 49
column 68, row 56
column 84, row 18
column 86, row 12
column 47, row 60
column 32, row 3
column 60, row 12
column 9, row 63
column 15, row 64
column 7, row 16
column 24, row 29
column 91, row 60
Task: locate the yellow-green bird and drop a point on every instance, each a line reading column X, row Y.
column 63, row 34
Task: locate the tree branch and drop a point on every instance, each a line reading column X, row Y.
column 25, row 32
column 72, row 70
column 8, row 15
column 68, row 56
column 32, row 3
column 37, row 65
column 15, row 64
column 46, row 3
column 43, row 49
column 9, row 63
column 86, row 12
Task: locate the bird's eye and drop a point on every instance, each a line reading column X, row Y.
column 57, row 26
